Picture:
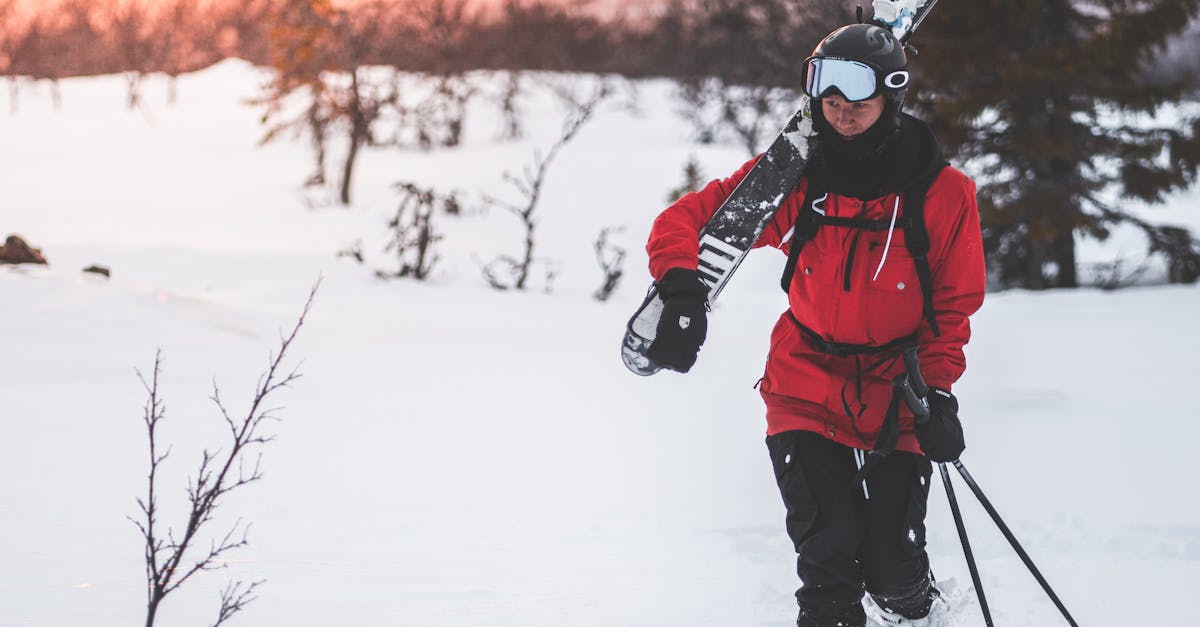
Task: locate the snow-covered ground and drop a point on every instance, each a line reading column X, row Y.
column 459, row 456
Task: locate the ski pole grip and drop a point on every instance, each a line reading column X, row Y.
column 913, row 387
column 913, row 367
column 918, row 404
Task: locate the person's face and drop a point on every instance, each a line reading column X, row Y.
column 850, row 119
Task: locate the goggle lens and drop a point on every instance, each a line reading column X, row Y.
column 855, row 80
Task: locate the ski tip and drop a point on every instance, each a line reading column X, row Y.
column 633, row 355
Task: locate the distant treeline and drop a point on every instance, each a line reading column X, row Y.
column 753, row 41
column 749, row 42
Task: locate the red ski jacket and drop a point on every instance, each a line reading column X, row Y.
column 845, row 398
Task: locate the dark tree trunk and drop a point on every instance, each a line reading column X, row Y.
column 1064, row 258
column 1034, row 266
column 358, row 135
column 316, row 127
column 348, row 170
column 152, row 608
column 527, row 261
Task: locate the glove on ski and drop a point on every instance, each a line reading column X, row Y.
column 941, row 437
column 684, row 322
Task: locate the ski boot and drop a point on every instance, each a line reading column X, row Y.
column 933, row 613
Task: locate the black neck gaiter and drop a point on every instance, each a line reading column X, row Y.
column 859, row 167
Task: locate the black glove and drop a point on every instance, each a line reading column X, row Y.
column 941, row 437
column 684, row 322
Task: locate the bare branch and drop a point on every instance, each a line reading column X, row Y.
column 218, row 473
column 234, row 598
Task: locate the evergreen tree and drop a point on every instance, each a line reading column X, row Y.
column 1050, row 99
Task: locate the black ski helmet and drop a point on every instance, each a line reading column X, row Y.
column 871, row 45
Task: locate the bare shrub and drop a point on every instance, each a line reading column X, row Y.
column 412, row 233
column 612, row 261
column 509, row 272
column 749, row 115
column 508, row 107
column 1118, row 273
column 353, row 251
column 438, row 119
column 693, row 178
column 172, row 559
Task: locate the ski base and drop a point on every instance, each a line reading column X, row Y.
column 639, row 334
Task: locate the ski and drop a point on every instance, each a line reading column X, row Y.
column 731, row 232
column 733, row 229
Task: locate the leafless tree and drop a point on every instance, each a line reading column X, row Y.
column 220, row 472
column 507, row 272
column 300, row 51
column 612, row 260
column 183, row 37
column 322, row 53
column 317, row 122
column 130, row 39
column 361, row 102
column 14, row 37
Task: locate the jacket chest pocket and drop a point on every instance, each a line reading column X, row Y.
column 892, row 301
column 816, row 267
column 813, row 295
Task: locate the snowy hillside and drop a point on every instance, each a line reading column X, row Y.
column 456, row 456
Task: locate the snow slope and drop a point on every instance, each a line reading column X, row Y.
column 459, row 456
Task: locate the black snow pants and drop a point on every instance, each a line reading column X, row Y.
column 849, row 539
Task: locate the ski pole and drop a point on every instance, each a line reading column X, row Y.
column 966, row 544
column 915, row 393
column 987, row 505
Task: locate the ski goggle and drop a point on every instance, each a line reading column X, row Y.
column 854, row 79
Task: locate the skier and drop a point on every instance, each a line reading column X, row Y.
column 885, row 255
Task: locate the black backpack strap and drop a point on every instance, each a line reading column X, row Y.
column 803, row 230
column 916, row 238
